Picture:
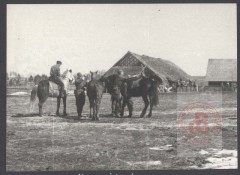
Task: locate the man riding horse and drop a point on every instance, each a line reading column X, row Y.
column 46, row 88
column 55, row 76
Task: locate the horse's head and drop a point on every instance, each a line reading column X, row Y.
column 94, row 75
column 87, row 77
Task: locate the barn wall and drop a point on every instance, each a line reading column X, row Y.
column 219, row 83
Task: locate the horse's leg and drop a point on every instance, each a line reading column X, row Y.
column 123, row 106
column 146, row 102
column 64, row 106
column 91, row 108
column 130, row 107
column 151, row 105
column 117, row 107
column 113, row 106
column 97, row 108
column 120, row 104
column 40, row 105
column 58, row 105
column 94, row 110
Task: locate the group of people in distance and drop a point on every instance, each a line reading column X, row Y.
column 180, row 86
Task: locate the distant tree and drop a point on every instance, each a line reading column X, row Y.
column 25, row 81
column 30, row 79
column 44, row 77
column 37, row 79
column 10, row 82
column 7, row 77
column 13, row 82
column 18, row 79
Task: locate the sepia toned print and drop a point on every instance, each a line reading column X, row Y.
column 121, row 87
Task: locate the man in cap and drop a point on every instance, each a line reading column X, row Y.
column 55, row 75
column 80, row 84
column 118, row 83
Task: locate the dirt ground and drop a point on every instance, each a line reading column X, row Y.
column 53, row 143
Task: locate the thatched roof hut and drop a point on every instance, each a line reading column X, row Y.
column 132, row 63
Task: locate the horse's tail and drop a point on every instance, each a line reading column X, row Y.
column 155, row 99
column 33, row 93
column 33, row 97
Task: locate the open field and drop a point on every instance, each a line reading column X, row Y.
column 63, row 143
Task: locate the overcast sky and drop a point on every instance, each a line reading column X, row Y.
column 94, row 37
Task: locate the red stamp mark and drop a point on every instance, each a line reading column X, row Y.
column 198, row 123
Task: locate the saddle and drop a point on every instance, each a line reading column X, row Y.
column 54, row 89
column 134, row 84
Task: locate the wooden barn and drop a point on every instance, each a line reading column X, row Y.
column 132, row 63
column 221, row 72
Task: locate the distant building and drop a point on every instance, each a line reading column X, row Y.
column 200, row 80
column 132, row 64
column 221, row 72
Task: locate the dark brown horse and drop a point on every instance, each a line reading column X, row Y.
column 43, row 92
column 145, row 87
column 95, row 89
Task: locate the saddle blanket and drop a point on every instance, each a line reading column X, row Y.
column 53, row 89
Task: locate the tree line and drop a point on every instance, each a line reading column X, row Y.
column 16, row 79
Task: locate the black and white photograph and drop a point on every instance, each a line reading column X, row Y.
column 99, row 87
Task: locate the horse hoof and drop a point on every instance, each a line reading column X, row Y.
column 97, row 119
column 129, row 116
column 65, row 114
column 141, row 116
column 149, row 116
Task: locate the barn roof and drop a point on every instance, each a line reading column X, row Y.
column 133, row 70
column 164, row 69
column 222, row 70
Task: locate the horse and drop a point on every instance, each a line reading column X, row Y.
column 145, row 87
column 42, row 90
column 95, row 89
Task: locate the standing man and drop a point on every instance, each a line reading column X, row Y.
column 55, row 76
column 80, row 84
column 123, row 84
